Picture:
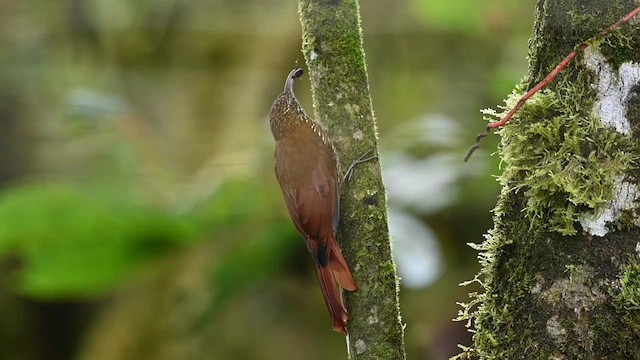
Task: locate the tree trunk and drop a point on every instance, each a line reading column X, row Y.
column 332, row 47
column 561, row 268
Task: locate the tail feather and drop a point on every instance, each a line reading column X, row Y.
column 336, row 272
column 340, row 269
column 332, row 298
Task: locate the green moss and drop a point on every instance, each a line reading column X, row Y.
column 546, row 292
column 626, row 325
column 625, row 220
column 629, row 297
column 560, row 162
column 500, row 319
column 561, row 156
column 621, row 46
column 561, row 25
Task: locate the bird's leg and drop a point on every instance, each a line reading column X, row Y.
column 363, row 158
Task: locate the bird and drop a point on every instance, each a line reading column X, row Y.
column 307, row 170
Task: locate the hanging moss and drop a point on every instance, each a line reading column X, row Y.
column 560, row 155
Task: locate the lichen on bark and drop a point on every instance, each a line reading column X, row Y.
column 554, row 289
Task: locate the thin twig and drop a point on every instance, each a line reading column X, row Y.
column 479, row 137
column 542, row 84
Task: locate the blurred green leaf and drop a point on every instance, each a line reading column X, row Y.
column 260, row 238
column 257, row 259
column 237, row 203
column 474, row 17
column 76, row 242
column 256, row 239
column 459, row 15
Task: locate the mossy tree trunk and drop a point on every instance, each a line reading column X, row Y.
column 332, row 47
column 561, row 267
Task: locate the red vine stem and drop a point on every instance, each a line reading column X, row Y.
column 542, row 84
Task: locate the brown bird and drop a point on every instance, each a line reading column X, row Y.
column 307, row 170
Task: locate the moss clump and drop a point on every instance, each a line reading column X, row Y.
column 560, row 155
column 628, row 306
column 561, row 161
column 629, row 297
column 621, row 46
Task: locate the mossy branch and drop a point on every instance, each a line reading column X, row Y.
column 332, row 47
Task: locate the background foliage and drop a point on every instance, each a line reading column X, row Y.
column 139, row 214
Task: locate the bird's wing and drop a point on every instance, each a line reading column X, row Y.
column 310, row 188
column 307, row 173
column 312, row 209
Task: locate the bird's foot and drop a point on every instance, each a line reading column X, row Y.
column 363, row 158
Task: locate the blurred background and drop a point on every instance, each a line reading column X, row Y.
column 139, row 214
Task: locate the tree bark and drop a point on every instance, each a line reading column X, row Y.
column 561, row 269
column 332, row 47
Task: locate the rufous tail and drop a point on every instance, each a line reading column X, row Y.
column 336, row 272
column 339, row 267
